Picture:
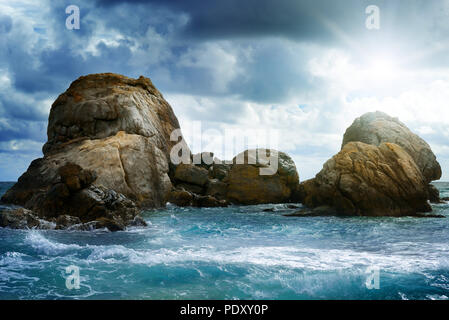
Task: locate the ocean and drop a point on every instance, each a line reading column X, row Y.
column 239, row 252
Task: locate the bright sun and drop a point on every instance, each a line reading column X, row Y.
column 381, row 69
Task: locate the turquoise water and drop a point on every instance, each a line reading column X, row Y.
column 233, row 253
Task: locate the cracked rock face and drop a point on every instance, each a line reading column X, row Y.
column 116, row 132
column 369, row 180
column 377, row 127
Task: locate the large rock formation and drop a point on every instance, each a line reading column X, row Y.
column 107, row 153
column 249, row 184
column 378, row 127
column 382, row 169
column 369, row 180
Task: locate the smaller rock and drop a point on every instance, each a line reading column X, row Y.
column 181, row 198
column 208, row 201
column 111, row 224
column 66, row 221
column 191, row 174
column 138, row 221
column 19, row 219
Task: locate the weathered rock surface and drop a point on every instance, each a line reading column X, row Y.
column 98, row 106
column 378, row 127
column 191, row 173
column 364, row 179
column 253, row 181
column 107, row 153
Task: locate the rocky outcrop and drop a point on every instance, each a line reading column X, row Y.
column 98, row 106
column 377, row 127
column 261, row 176
column 253, row 177
column 369, row 180
column 107, row 153
column 194, row 184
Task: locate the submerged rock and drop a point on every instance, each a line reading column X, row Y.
column 107, row 153
column 369, row 180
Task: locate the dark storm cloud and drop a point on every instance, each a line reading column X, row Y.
column 305, row 20
column 235, row 18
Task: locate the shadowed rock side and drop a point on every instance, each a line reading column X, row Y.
column 368, row 180
column 117, row 129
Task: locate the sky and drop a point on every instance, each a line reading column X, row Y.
column 288, row 74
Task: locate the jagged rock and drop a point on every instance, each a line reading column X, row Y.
column 191, row 174
column 369, row 180
column 108, row 137
column 254, row 180
column 19, row 219
column 377, row 127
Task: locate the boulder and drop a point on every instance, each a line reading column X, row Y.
column 377, row 127
column 181, row 198
column 107, row 153
column 191, row 173
column 261, row 176
column 369, row 180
